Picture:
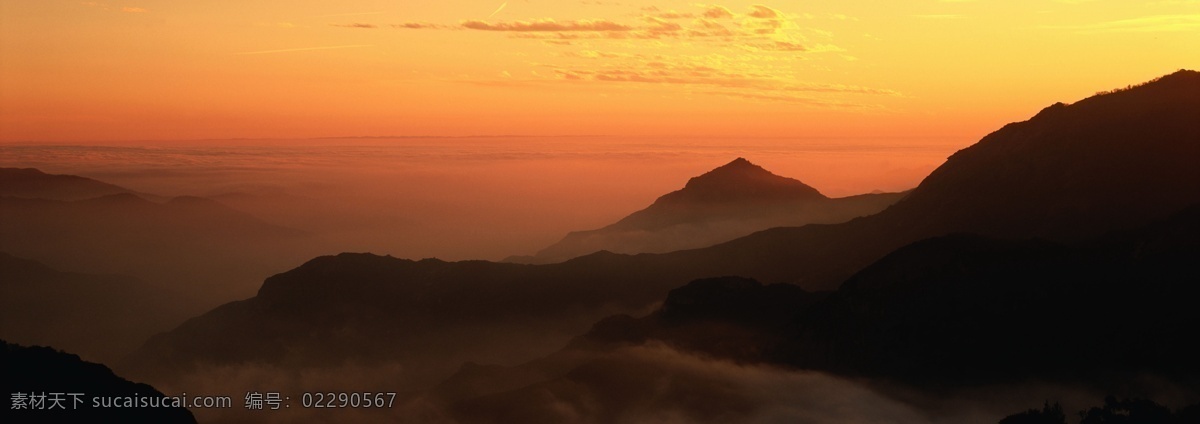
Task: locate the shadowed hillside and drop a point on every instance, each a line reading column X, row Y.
column 102, row 317
column 42, row 370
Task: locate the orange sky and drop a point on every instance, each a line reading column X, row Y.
column 74, row 71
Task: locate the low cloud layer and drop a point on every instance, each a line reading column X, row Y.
column 656, row 384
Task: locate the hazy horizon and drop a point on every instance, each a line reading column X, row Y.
column 453, row 198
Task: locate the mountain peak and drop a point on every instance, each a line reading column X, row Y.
column 739, row 168
column 742, row 180
column 739, row 165
column 736, row 185
column 739, row 162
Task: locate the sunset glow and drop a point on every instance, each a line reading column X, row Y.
column 105, row 71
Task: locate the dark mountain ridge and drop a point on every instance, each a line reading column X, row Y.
column 1107, row 162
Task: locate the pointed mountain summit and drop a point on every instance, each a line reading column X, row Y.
column 733, row 200
column 741, row 180
column 726, row 192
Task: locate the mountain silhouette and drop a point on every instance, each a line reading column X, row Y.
column 389, row 309
column 185, row 241
column 738, row 180
column 1116, row 161
column 1106, row 162
column 731, row 201
column 31, row 183
column 42, row 371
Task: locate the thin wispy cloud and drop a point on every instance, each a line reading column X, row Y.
column 498, row 9
column 1158, row 23
column 304, row 49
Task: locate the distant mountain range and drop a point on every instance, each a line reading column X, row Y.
column 728, row 202
column 1072, row 173
column 31, row 183
column 192, row 244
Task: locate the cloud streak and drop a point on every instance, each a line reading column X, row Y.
column 714, row 22
column 498, row 9
column 418, row 25
column 1158, row 23
column 547, row 25
column 356, row 25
